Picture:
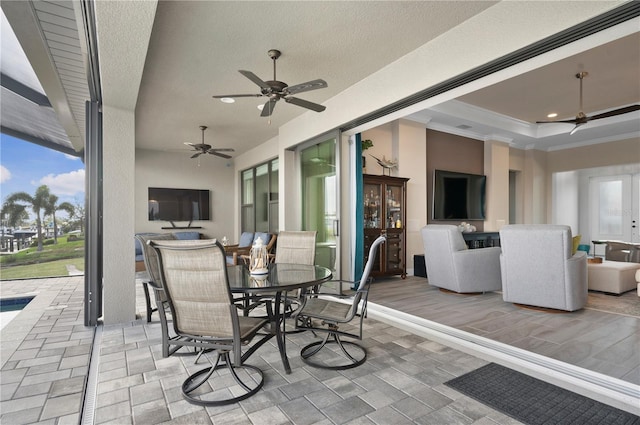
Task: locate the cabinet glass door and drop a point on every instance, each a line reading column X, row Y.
column 372, row 206
column 394, row 207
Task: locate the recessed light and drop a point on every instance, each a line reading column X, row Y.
column 552, row 115
column 227, row 100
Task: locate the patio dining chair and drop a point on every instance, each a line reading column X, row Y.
column 292, row 247
column 324, row 313
column 170, row 344
column 194, row 277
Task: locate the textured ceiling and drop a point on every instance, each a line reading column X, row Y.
column 197, row 49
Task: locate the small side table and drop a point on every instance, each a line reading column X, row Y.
column 594, row 247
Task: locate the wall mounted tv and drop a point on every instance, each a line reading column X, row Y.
column 458, row 196
column 178, row 204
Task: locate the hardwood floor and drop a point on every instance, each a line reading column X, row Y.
column 600, row 341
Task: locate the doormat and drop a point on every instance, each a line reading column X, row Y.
column 532, row 401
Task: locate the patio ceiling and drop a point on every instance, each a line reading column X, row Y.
column 55, row 46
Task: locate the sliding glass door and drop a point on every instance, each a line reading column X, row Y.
column 615, row 205
column 320, row 199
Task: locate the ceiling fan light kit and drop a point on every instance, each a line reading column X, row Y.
column 203, row 148
column 276, row 90
column 581, row 118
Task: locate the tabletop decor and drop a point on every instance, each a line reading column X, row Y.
column 258, row 258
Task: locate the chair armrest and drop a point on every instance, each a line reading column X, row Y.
column 154, row 286
column 231, row 248
column 481, row 265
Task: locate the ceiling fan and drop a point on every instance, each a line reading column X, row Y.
column 202, row 148
column 276, row 90
column 582, row 118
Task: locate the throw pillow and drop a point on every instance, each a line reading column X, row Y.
column 576, row 243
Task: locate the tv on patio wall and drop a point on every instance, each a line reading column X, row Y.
column 167, row 204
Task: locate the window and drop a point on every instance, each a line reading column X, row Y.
column 259, row 196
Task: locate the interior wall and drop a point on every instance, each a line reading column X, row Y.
column 565, row 200
column 621, row 152
column 178, row 170
column 412, row 159
column 496, row 168
column 404, row 141
column 451, row 153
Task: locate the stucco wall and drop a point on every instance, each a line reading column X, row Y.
column 178, row 170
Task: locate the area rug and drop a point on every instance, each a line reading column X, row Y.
column 627, row 303
column 535, row 402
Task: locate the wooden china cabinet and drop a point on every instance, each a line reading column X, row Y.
column 385, row 212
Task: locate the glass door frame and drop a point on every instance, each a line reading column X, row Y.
column 334, row 135
column 623, row 207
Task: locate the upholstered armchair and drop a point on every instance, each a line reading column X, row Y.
column 451, row 265
column 539, row 268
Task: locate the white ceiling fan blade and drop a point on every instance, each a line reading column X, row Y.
column 575, row 128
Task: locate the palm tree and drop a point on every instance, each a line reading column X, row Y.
column 51, row 208
column 13, row 214
column 38, row 202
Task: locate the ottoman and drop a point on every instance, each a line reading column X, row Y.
column 614, row 277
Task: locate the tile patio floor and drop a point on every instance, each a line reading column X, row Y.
column 46, row 353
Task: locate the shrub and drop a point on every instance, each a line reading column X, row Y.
column 44, row 243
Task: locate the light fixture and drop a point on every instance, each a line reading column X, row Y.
column 227, row 100
column 552, row 115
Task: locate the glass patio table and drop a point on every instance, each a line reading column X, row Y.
column 280, row 279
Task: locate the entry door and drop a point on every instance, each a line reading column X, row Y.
column 320, row 200
column 614, row 206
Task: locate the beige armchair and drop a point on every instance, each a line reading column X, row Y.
column 539, row 269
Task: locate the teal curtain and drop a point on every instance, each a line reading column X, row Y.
column 358, row 261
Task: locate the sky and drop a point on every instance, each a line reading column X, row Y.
column 25, row 166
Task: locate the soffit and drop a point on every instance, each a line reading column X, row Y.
column 48, row 34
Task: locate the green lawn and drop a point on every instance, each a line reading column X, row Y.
column 47, row 269
column 51, row 261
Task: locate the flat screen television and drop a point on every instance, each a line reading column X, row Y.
column 171, row 205
column 458, row 196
